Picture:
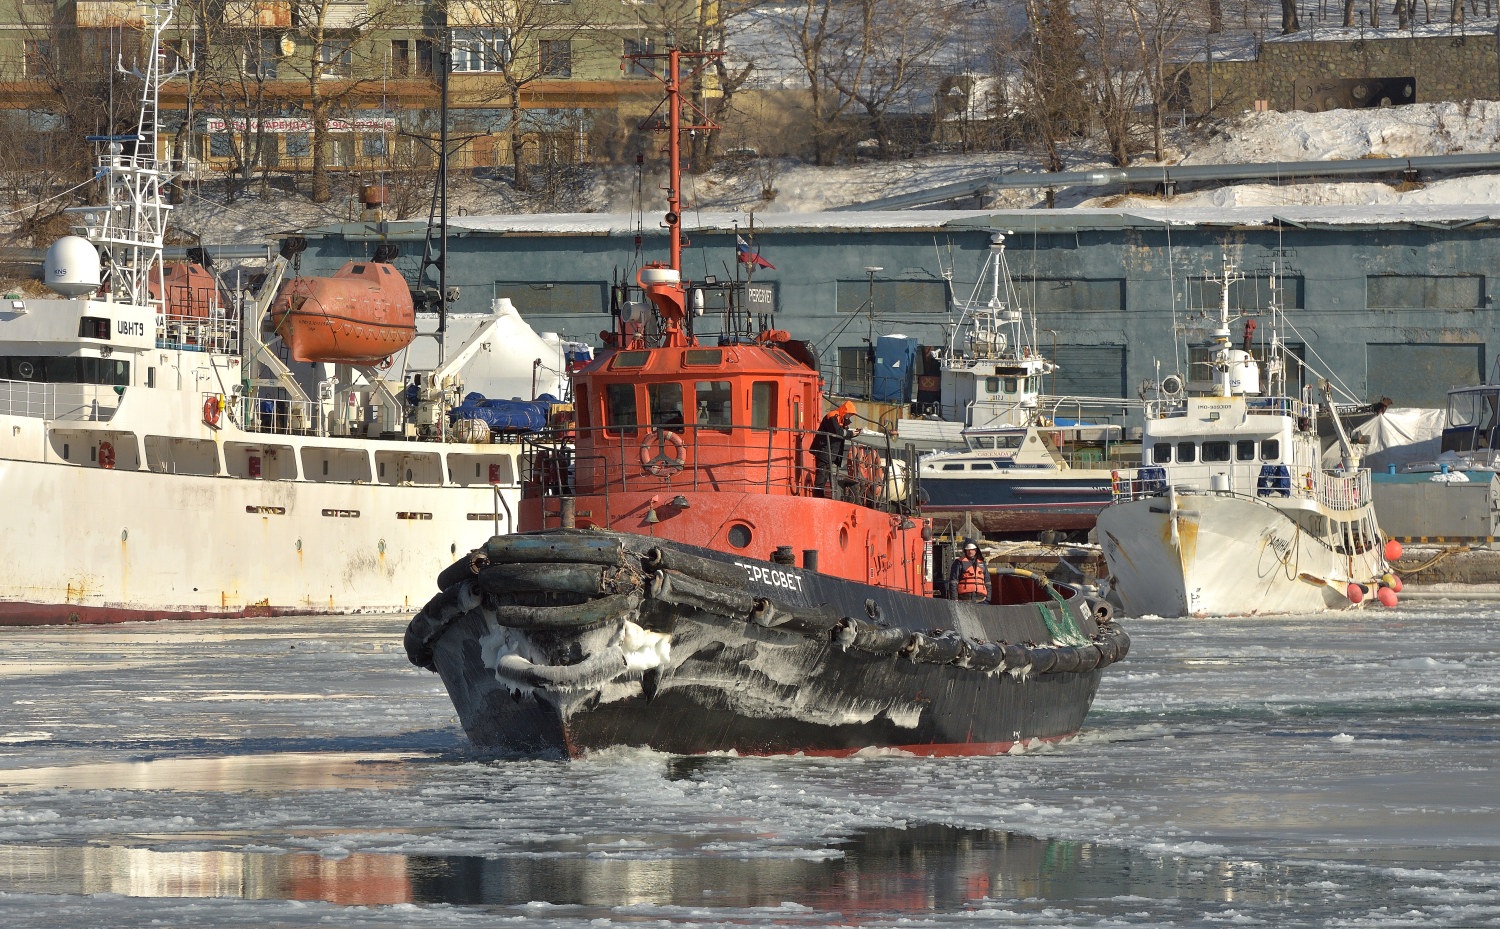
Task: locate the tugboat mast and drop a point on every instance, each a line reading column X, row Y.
column 662, row 282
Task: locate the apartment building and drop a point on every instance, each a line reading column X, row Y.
column 542, row 81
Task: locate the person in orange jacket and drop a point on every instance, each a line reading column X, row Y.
column 969, row 578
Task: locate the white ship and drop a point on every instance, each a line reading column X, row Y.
column 158, row 460
column 1233, row 512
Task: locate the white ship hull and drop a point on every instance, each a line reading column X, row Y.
column 96, row 545
column 1210, row 554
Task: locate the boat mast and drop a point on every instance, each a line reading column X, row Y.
column 131, row 226
column 662, row 282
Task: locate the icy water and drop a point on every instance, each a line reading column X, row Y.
column 1330, row 772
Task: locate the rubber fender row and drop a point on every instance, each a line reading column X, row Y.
column 588, row 580
column 703, row 569
column 556, row 548
column 679, row 589
column 808, row 622
column 570, row 617
column 450, row 605
column 1110, row 646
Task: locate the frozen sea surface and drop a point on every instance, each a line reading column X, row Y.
column 1338, row 771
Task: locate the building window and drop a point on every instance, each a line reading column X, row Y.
column 556, row 57
column 426, row 55
column 337, row 59
column 298, row 144
column 261, row 57
column 373, row 146
column 638, row 47
column 400, row 58
column 480, row 50
column 38, row 58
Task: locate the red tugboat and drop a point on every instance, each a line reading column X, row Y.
column 682, row 582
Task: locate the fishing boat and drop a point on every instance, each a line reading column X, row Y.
column 1002, row 457
column 159, row 460
column 684, row 582
column 1018, row 482
column 1233, row 512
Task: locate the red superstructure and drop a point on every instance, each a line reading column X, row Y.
column 361, row 315
column 707, row 444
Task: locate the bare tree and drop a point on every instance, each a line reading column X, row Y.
column 1054, row 67
column 1289, row 21
column 885, row 61
column 507, row 46
column 814, row 31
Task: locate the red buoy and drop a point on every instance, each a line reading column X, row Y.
column 1392, row 550
column 1355, row 593
column 1386, row 596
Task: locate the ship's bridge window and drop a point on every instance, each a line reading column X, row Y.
column 49, row 369
column 1186, row 452
column 619, row 409
column 630, row 360
column 1270, row 450
column 666, row 405
column 704, row 356
column 1216, row 451
column 991, row 385
column 763, row 405
column 93, row 327
column 981, row 466
column 712, row 404
column 1244, row 450
column 1161, row 453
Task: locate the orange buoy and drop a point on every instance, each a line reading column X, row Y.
column 1355, row 593
column 1386, row 596
column 1392, row 550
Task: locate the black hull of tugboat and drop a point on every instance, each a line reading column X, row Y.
column 752, row 657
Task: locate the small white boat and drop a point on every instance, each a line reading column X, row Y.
column 1232, row 512
column 161, row 462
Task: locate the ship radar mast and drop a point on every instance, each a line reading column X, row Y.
column 662, row 281
column 130, row 227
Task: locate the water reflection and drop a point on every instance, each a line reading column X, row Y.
column 922, row 868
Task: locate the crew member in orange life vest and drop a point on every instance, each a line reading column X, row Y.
column 969, row 578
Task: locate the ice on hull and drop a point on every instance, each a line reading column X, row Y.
column 680, row 671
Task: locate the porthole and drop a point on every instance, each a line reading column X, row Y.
column 739, row 535
column 843, row 537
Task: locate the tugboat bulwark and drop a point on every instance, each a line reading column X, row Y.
column 567, row 641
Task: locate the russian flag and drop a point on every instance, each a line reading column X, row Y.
column 747, row 257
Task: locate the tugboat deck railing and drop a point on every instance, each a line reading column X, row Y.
column 777, row 462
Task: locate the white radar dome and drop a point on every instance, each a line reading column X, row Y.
column 72, row 266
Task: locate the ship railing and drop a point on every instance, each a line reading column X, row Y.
column 279, row 416
column 1144, row 482
column 1340, row 490
column 68, row 402
column 1173, row 407
column 213, row 333
column 675, row 458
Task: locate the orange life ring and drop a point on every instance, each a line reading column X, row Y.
column 211, row 409
column 866, row 468
column 106, row 455
column 661, row 453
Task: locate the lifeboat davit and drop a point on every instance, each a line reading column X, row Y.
column 361, row 315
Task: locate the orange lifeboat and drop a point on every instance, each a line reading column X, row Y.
column 360, row 315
